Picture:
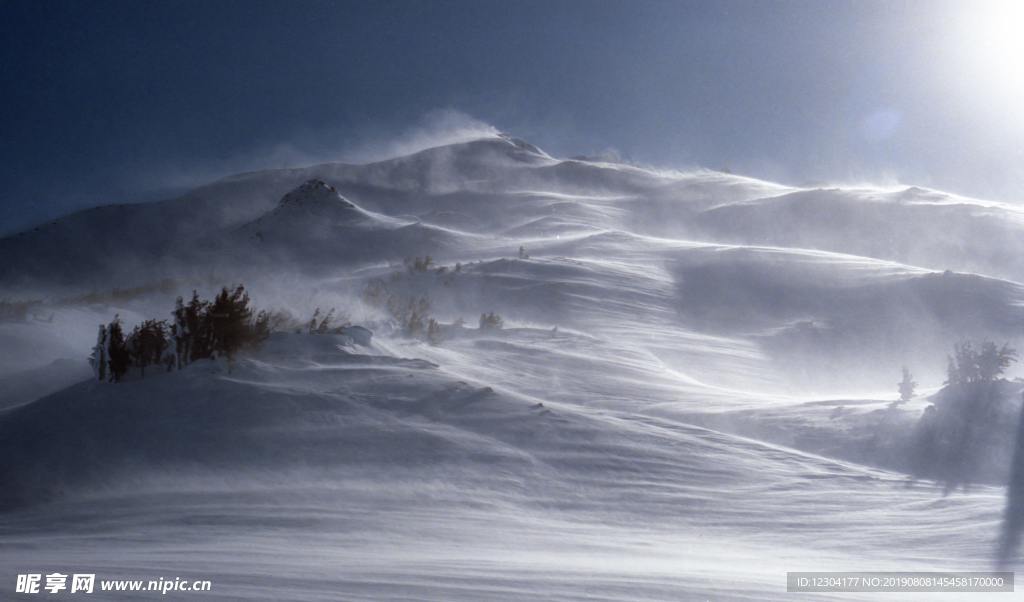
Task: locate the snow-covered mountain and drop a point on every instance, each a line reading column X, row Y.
column 506, row 186
column 680, row 349
column 315, row 225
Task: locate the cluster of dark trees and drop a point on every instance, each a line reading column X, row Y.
column 199, row 329
column 962, row 438
column 326, row 323
column 426, row 264
column 969, row 365
column 419, row 264
column 491, row 321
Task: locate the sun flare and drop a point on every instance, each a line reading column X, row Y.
column 992, row 43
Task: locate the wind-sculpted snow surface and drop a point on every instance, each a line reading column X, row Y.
column 310, row 471
column 691, row 394
column 915, row 226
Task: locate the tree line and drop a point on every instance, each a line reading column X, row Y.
column 199, row 329
column 968, row 366
column 957, row 439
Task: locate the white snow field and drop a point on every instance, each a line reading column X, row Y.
column 679, row 406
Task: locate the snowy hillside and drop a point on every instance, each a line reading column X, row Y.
column 379, row 475
column 680, row 405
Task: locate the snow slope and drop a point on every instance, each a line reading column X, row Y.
column 921, row 227
column 311, row 471
column 677, row 407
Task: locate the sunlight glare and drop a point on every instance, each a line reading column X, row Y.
column 992, row 44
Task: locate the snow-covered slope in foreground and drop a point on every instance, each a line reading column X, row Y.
column 316, row 472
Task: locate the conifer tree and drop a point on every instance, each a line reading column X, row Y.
column 491, row 321
column 952, row 374
column 325, row 323
column 433, row 332
column 906, row 386
column 230, row 318
column 314, row 321
column 152, row 342
column 117, row 351
column 993, row 360
column 99, row 355
column 136, row 351
column 968, row 365
column 261, row 326
column 197, row 328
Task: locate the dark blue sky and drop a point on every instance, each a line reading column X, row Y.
column 111, row 101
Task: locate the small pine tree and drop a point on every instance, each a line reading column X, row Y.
column 952, row 374
column 155, row 335
column 433, row 332
column 416, row 316
column 136, row 353
column 966, row 362
column 491, row 321
column 261, row 327
column 197, row 328
column 993, row 360
column 147, row 344
column 325, row 323
column 229, row 318
column 117, row 351
column 99, row 355
column 906, row 386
